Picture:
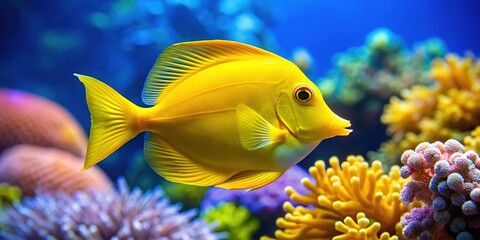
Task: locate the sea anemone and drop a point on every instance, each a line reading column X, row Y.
column 342, row 191
column 446, row 179
column 29, row 119
column 33, row 168
column 121, row 214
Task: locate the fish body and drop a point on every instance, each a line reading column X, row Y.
column 223, row 114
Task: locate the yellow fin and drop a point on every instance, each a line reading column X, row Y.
column 256, row 132
column 110, row 114
column 252, row 180
column 175, row 167
column 182, row 60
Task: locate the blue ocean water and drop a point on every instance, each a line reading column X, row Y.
column 44, row 42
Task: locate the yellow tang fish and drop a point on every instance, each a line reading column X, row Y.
column 223, row 114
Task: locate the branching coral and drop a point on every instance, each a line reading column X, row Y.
column 448, row 109
column 342, row 191
column 235, row 221
column 34, row 168
column 29, row 119
column 121, row 214
column 447, row 180
column 361, row 229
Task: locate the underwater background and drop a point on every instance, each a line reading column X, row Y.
column 403, row 73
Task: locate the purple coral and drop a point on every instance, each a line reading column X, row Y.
column 121, row 214
column 446, row 179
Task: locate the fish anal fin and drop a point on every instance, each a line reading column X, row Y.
column 251, row 180
column 255, row 131
column 175, row 167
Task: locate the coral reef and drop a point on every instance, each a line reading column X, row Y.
column 446, row 179
column 379, row 69
column 447, row 109
column 33, row 168
column 264, row 203
column 235, row 221
column 121, row 214
column 342, row 191
column 9, row 194
column 29, row 119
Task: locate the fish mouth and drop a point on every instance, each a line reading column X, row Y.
column 339, row 127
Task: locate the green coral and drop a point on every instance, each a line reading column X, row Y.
column 234, row 220
column 190, row 196
column 9, row 194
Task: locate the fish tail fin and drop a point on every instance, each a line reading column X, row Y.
column 114, row 120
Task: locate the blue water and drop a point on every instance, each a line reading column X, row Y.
column 44, row 42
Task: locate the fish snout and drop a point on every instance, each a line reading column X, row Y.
column 339, row 127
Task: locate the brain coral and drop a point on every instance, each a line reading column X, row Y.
column 121, row 214
column 48, row 169
column 30, row 119
column 337, row 195
column 446, row 178
column 447, row 109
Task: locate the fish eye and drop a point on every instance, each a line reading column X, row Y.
column 303, row 93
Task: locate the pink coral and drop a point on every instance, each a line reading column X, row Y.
column 29, row 119
column 48, row 169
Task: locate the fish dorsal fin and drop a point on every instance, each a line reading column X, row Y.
column 255, row 131
column 250, row 180
column 182, row 60
column 175, row 167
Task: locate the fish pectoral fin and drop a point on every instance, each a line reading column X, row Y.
column 255, row 131
column 252, row 179
column 175, row 167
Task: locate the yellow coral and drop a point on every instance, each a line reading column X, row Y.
column 439, row 112
column 455, row 73
column 402, row 116
column 472, row 142
column 342, row 191
column 362, row 229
